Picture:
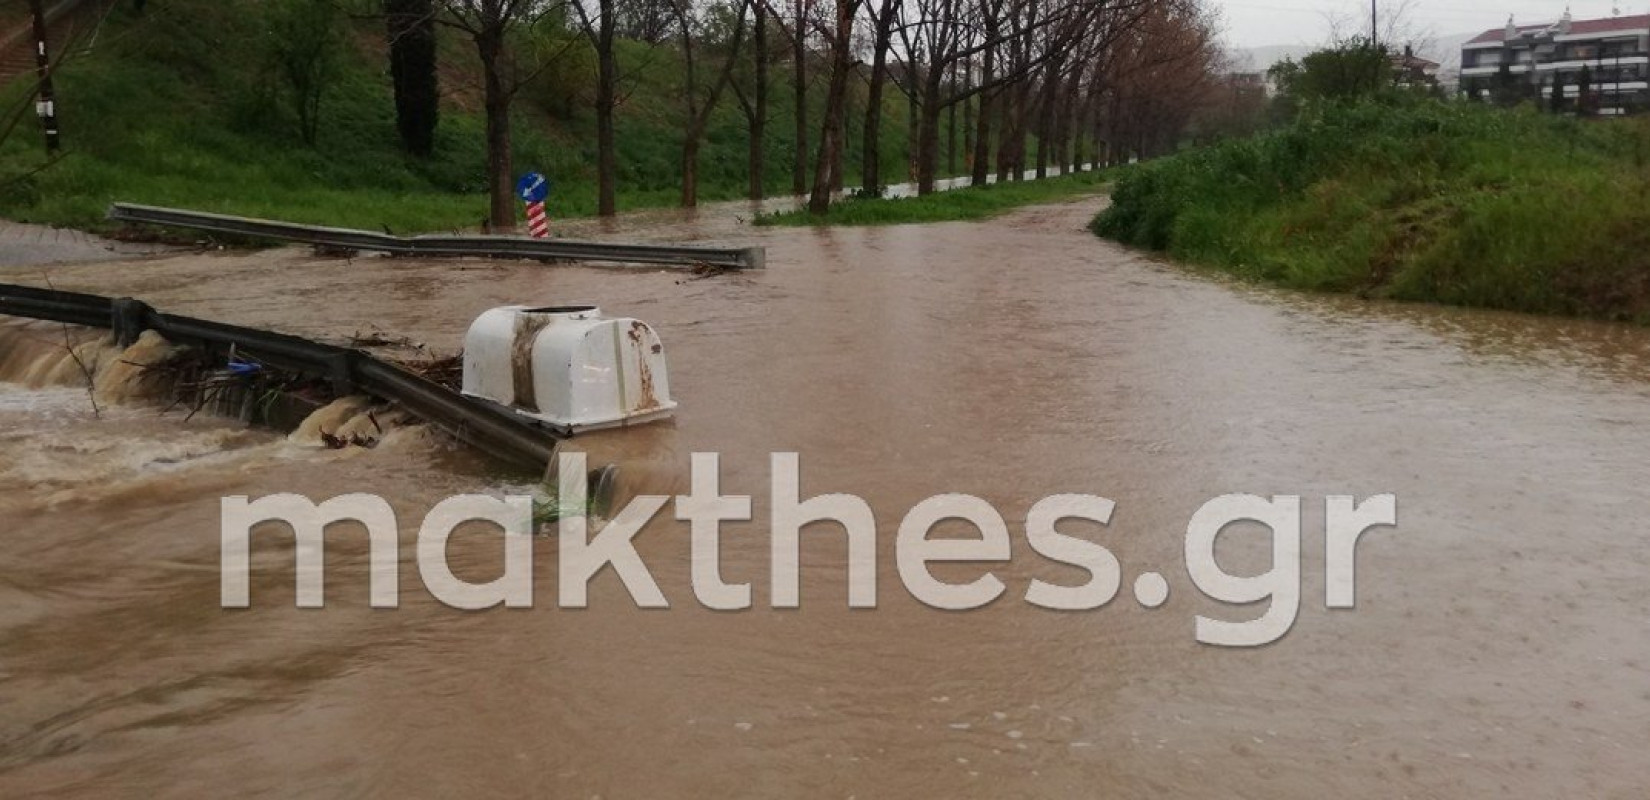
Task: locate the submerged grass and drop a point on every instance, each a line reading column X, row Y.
column 974, row 202
column 1441, row 202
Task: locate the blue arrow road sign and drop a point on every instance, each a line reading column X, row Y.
column 533, row 187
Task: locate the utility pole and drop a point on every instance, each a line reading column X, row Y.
column 45, row 106
column 1376, row 56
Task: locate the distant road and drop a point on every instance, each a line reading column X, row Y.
column 24, row 245
column 17, row 43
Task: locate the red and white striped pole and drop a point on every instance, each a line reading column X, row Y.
column 534, row 189
column 538, row 224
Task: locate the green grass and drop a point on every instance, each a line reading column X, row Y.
column 974, row 202
column 175, row 108
column 1426, row 201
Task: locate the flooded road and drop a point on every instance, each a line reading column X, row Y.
column 1501, row 643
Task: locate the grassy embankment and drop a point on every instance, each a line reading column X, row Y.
column 180, row 107
column 1448, row 203
column 974, row 202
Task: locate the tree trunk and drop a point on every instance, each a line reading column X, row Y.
column 691, row 128
column 698, row 110
column 1006, row 138
column 913, row 133
column 799, row 74
column 968, row 117
column 1088, row 128
column 870, row 160
column 1007, row 109
column 1045, row 117
column 411, row 28
column 819, row 201
column 1024, row 113
column 839, row 144
column 1011, row 112
column 1063, row 127
column 928, row 148
column 928, row 133
column 1080, row 135
column 690, row 172
column 607, row 79
column 982, row 133
column 500, row 182
column 759, row 119
column 951, row 135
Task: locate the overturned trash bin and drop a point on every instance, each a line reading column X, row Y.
column 568, row 366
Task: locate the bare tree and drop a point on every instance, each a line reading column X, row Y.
column 944, row 32
column 698, row 109
column 646, row 21
column 754, row 102
column 991, row 22
column 1159, row 70
column 1065, row 73
column 883, row 15
column 489, row 23
column 410, row 26
column 836, row 92
column 801, row 9
column 304, row 41
column 600, row 32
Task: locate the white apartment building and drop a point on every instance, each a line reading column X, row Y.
column 1532, row 59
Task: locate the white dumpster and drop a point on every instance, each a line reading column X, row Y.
column 568, row 366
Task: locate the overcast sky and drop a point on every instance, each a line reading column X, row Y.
column 1256, row 23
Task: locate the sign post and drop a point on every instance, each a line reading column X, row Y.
column 534, row 190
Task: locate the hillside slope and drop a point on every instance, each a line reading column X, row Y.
column 181, row 106
column 1441, row 202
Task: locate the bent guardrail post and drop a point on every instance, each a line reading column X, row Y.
column 129, row 319
column 447, row 245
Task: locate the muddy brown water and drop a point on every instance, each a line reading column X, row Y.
column 1500, row 645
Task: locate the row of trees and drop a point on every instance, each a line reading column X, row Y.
column 1085, row 80
column 1586, row 102
column 1509, row 90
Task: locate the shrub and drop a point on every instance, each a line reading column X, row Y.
column 1422, row 200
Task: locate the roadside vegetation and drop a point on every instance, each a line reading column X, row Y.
column 1410, row 197
column 418, row 115
column 969, row 203
column 192, row 104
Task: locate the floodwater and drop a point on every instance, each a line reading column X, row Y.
column 1500, row 646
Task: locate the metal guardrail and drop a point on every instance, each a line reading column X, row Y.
column 443, row 244
column 485, row 425
column 57, row 306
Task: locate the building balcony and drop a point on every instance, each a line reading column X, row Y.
column 1595, row 62
column 1600, row 89
column 1492, row 69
